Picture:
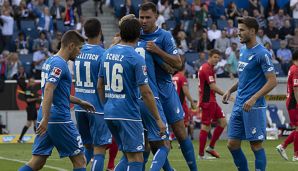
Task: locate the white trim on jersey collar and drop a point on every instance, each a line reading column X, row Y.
column 60, row 57
column 88, row 44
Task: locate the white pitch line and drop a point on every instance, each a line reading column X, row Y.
column 22, row 161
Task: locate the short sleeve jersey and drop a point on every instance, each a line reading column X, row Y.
column 206, row 77
column 292, row 82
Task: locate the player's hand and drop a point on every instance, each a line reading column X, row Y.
column 161, row 127
column 226, row 97
column 152, row 47
column 42, row 128
column 249, row 104
column 87, row 106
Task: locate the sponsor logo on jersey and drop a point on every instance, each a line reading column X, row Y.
column 241, row 65
column 56, row 72
column 295, row 82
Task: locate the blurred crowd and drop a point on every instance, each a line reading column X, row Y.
column 31, row 30
column 201, row 25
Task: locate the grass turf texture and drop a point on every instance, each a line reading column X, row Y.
column 225, row 163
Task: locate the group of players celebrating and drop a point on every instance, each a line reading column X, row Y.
column 126, row 92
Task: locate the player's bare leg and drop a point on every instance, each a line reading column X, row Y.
column 78, row 161
column 36, row 163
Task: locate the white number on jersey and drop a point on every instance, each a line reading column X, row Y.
column 116, row 84
column 88, row 82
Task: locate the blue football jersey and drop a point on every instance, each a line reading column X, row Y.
column 55, row 70
column 86, row 68
column 164, row 40
column 253, row 64
column 141, row 49
column 123, row 71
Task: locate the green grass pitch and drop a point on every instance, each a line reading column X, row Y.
column 11, row 156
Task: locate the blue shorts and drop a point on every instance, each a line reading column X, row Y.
column 65, row 137
column 249, row 126
column 93, row 129
column 129, row 135
column 172, row 108
column 149, row 121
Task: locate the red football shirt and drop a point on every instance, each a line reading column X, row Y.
column 179, row 81
column 292, row 82
column 206, row 77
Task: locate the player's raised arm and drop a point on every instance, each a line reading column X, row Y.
column 46, row 106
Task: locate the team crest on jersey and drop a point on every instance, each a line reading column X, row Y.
column 241, row 65
column 295, row 82
column 56, row 72
column 144, row 67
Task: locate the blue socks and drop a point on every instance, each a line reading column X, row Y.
column 146, row 155
column 260, row 162
column 98, row 162
column 122, row 165
column 159, row 159
column 189, row 154
column 25, row 168
column 134, row 166
column 239, row 159
column 167, row 166
column 80, row 169
column 88, row 154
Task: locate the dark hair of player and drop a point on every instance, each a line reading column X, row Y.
column 71, row 36
column 249, row 22
column 92, row 27
column 214, row 51
column 130, row 30
column 148, row 6
column 295, row 56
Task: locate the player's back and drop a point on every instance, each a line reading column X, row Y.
column 164, row 40
column 141, row 49
column 55, row 70
column 179, row 81
column 123, row 71
column 86, row 68
column 292, row 82
column 254, row 63
column 206, row 77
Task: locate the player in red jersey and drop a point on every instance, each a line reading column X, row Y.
column 181, row 86
column 211, row 111
column 292, row 106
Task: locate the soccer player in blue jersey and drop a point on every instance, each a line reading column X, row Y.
column 162, row 46
column 256, row 79
column 91, row 126
column 122, row 80
column 54, row 125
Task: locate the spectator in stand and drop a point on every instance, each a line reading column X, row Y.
column 294, row 8
column 13, row 63
column 269, row 48
column 45, row 21
column 222, row 43
column 287, row 31
column 232, row 11
column 22, row 44
column 196, row 35
column 57, row 11
column 213, row 33
column 255, row 5
column 41, row 42
column 262, row 38
column 202, row 15
column 217, row 10
column 271, row 31
column 260, row 18
column 21, row 77
column 294, row 41
column 7, row 7
column 235, row 38
column 70, row 15
column 230, row 28
column 220, row 68
column 3, row 65
column 186, row 15
column 160, row 20
column 22, row 13
column 181, row 40
column 204, row 44
column 55, row 42
column 164, row 8
column 39, row 57
column 196, row 7
column 279, row 18
column 232, row 62
column 39, row 5
column 244, row 13
column 284, row 55
column 199, row 62
column 271, row 9
column 7, row 29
